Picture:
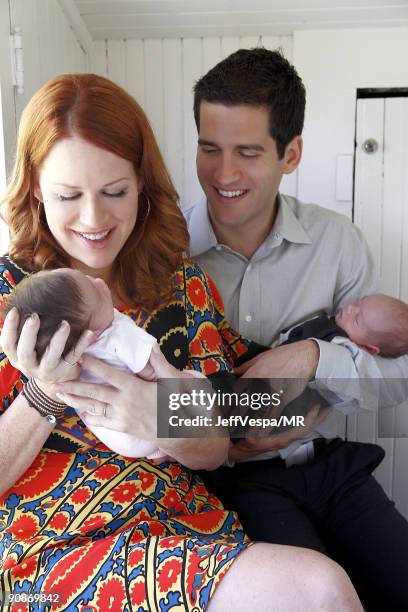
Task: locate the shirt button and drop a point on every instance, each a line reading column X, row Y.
column 248, row 318
column 249, row 268
column 218, row 247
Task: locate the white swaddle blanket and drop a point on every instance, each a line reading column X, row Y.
column 127, row 347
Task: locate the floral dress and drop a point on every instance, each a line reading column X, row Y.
column 87, row 529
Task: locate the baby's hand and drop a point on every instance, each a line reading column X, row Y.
column 148, row 373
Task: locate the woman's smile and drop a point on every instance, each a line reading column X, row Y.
column 95, row 240
column 90, row 207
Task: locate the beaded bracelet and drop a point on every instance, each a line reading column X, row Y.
column 37, row 399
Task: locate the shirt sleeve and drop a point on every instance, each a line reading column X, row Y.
column 342, row 359
column 372, row 381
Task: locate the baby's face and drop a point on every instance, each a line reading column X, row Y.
column 97, row 299
column 363, row 319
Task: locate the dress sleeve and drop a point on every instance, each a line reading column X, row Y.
column 214, row 346
column 11, row 379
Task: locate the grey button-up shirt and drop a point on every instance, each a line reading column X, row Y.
column 312, row 262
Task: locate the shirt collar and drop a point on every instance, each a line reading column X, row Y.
column 202, row 237
column 287, row 226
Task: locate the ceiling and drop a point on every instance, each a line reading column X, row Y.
column 122, row 19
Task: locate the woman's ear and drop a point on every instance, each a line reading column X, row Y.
column 293, row 155
column 38, row 192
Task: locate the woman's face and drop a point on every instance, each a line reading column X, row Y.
column 90, row 200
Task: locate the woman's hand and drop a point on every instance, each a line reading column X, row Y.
column 129, row 404
column 126, row 404
column 52, row 367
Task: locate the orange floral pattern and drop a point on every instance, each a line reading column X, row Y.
column 105, row 532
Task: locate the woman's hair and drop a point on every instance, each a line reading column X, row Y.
column 54, row 297
column 102, row 113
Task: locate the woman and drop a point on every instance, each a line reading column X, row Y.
column 82, row 527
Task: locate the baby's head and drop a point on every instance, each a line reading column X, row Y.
column 58, row 295
column 377, row 323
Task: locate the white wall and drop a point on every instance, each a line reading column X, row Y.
column 333, row 64
column 7, row 114
column 160, row 74
column 50, row 46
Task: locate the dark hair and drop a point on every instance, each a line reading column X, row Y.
column 257, row 77
column 54, row 297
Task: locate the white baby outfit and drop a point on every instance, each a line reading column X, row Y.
column 126, row 346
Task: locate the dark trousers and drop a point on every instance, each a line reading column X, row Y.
column 333, row 505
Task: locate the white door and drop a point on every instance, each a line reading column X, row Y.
column 381, row 212
column 381, row 187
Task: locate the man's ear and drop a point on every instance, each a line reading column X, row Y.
column 293, row 155
column 370, row 348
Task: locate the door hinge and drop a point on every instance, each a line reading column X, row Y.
column 17, row 66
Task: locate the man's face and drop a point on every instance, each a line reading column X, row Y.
column 238, row 165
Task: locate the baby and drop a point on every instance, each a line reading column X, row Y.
column 376, row 323
column 86, row 303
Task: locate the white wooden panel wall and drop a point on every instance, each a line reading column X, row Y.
column 333, row 64
column 160, row 74
column 50, row 45
column 381, row 211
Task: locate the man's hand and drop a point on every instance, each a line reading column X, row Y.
column 250, row 447
column 297, row 360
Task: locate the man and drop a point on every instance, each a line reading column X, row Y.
column 278, row 262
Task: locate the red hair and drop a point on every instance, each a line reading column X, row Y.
column 103, row 114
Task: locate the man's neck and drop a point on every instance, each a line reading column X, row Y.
column 247, row 238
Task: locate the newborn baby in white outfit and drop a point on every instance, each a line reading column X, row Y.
column 86, row 303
